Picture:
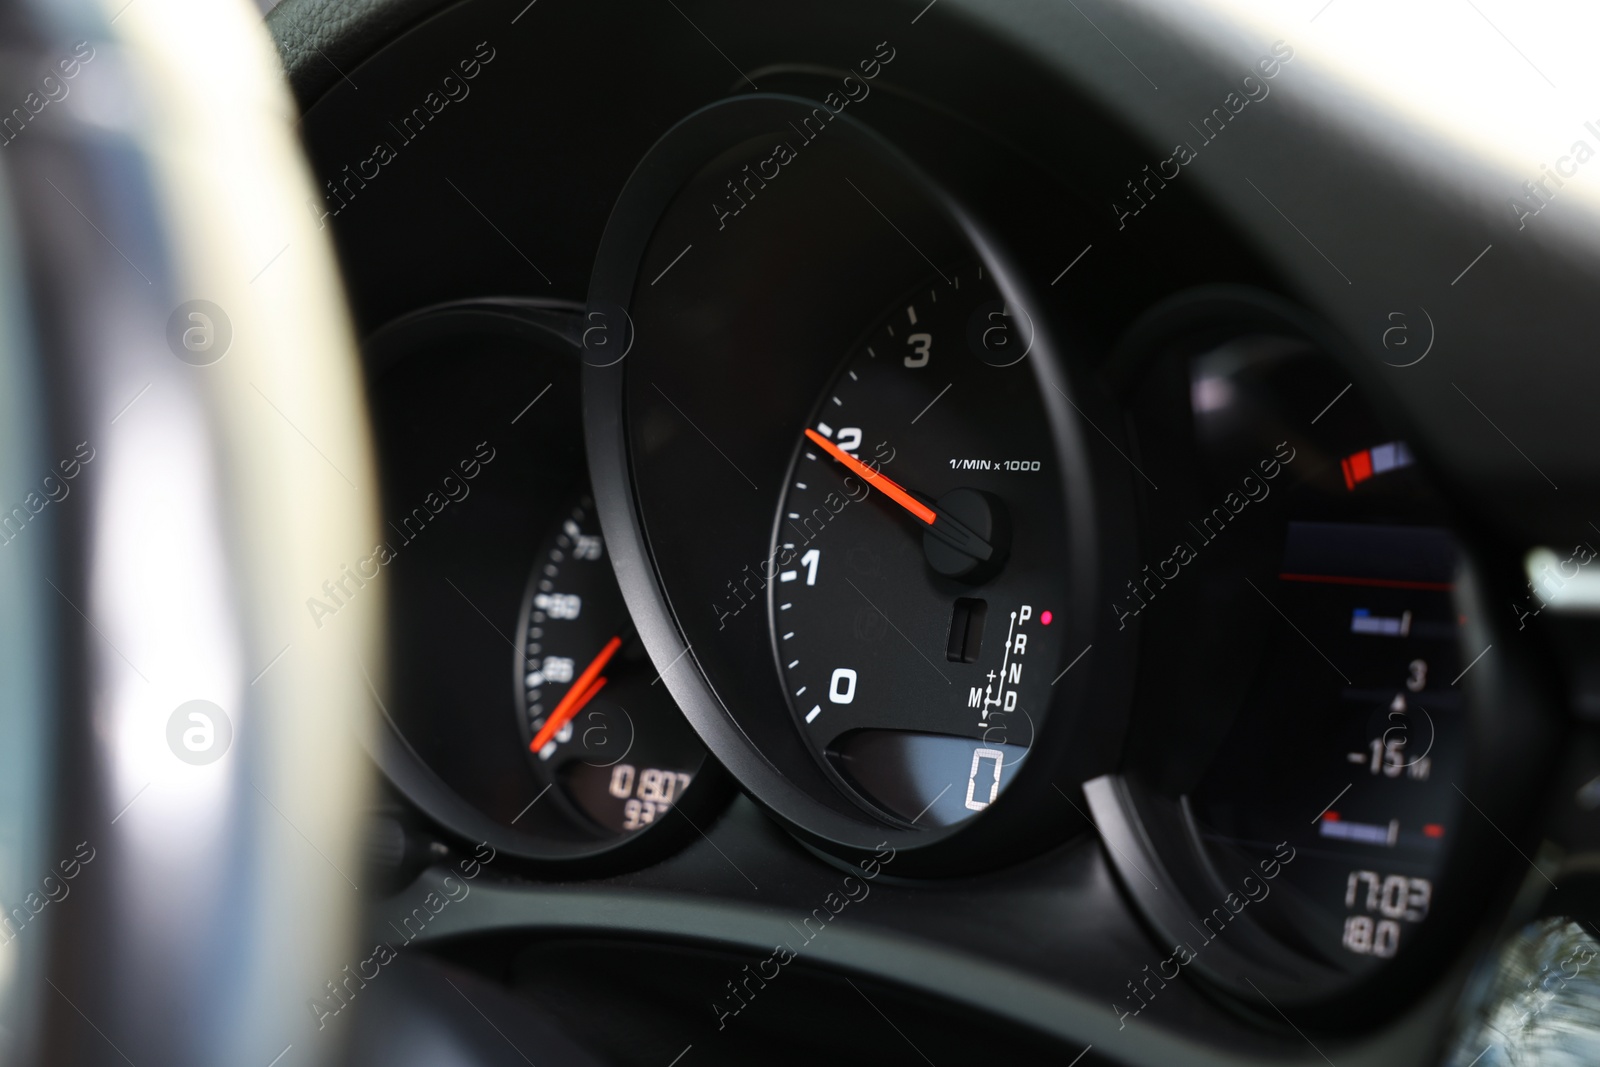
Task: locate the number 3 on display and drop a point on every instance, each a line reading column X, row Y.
column 920, row 344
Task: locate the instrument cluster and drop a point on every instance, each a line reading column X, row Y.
column 838, row 498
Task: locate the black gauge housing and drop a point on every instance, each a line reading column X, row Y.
column 1338, row 697
column 724, row 347
column 475, row 407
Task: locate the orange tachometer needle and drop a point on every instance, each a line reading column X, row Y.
column 940, row 524
column 580, row 693
column 876, row 479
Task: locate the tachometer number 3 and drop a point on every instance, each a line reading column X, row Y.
column 920, row 344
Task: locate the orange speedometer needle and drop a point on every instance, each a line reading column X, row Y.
column 876, row 479
column 940, row 524
column 578, row 694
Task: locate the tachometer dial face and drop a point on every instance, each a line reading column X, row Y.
column 916, row 567
column 600, row 730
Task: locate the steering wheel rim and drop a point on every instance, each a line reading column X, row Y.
column 186, row 886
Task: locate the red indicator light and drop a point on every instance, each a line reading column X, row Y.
column 1045, row 617
column 1379, row 459
column 1433, row 829
column 1330, row 816
column 1356, row 468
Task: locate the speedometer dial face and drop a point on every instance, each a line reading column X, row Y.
column 511, row 716
column 599, row 732
column 916, row 559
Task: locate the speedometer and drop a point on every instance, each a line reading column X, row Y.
column 523, row 712
column 914, row 550
column 596, row 726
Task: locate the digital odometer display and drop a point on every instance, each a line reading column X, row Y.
column 1305, row 678
column 1335, row 633
column 917, row 559
column 1349, row 739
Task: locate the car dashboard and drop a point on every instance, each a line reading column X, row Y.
column 960, row 533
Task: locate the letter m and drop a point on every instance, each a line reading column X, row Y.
column 975, row 697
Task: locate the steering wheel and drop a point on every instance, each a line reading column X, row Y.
column 183, row 462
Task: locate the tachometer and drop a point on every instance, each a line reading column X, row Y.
column 915, row 551
column 862, row 486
